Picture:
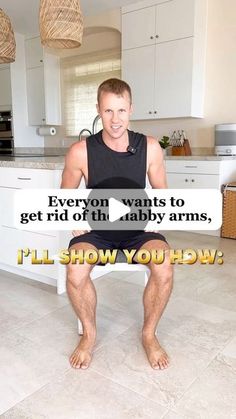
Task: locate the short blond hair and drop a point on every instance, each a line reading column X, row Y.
column 116, row 86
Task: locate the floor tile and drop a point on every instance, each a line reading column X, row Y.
column 59, row 329
column 85, row 395
column 124, row 361
column 201, row 324
column 25, row 367
column 212, row 395
column 22, row 303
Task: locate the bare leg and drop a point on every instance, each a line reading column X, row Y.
column 155, row 298
column 82, row 294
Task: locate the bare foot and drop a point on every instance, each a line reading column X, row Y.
column 157, row 357
column 82, row 355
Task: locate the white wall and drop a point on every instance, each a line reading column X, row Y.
column 24, row 135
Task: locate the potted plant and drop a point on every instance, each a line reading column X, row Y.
column 164, row 143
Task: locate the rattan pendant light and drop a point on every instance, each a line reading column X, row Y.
column 61, row 23
column 7, row 40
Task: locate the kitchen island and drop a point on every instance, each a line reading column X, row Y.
column 30, row 172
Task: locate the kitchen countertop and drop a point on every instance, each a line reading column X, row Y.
column 57, row 162
column 200, row 153
column 39, row 162
column 201, row 157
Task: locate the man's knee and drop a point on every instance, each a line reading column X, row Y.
column 162, row 273
column 77, row 274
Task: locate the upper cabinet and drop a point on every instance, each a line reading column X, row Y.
column 160, row 23
column 134, row 32
column 5, row 86
column 43, row 85
column 163, row 57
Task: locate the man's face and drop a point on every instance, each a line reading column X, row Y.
column 115, row 111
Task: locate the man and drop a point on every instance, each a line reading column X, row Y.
column 104, row 162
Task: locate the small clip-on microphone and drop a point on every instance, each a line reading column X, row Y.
column 131, row 149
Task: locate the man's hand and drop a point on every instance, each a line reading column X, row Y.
column 76, row 233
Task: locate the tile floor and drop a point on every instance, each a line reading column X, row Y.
column 198, row 329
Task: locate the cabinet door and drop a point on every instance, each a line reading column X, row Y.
column 192, row 181
column 175, row 20
column 35, row 95
column 5, row 87
column 15, row 240
column 7, row 207
column 173, row 86
column 138, row 28
column 33, row 53
column 52, row 89
column 139, row 71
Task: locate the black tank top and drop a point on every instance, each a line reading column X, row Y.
column 110, row 169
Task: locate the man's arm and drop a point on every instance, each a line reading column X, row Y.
column 156, row 168
column 72, row 173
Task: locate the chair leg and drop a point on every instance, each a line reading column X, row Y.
column 80, row 328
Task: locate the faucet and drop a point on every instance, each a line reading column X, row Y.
column 82, row 131
column 94, row 127
column 95, row 123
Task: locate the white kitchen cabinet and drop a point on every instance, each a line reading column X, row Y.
column 192, row 181
column 134, row 63
column 165, row 62
column 43, row 85
column 13, row 239
column 36, row 96
column 5, row 87
column 173, row 94
column 172, row 90
column 12, row 177
column 33, row 53
column 193, row 174
column 160, row 23
column 175, row 20
column 134, row 32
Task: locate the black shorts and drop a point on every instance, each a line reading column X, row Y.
column 136, row 241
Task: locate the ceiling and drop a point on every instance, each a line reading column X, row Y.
column 24, row 13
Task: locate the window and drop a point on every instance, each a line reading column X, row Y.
column 81, row 77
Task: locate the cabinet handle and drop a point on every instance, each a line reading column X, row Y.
column 150, row 112
column 186, row 180
column 191, row 167
column 24, row 178
column 151, row 37
column 155, row 111
column 192, row 180
column 41, row 61
column 157, row 36
column 43, row 120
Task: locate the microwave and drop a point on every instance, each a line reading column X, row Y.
column 225, row 139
